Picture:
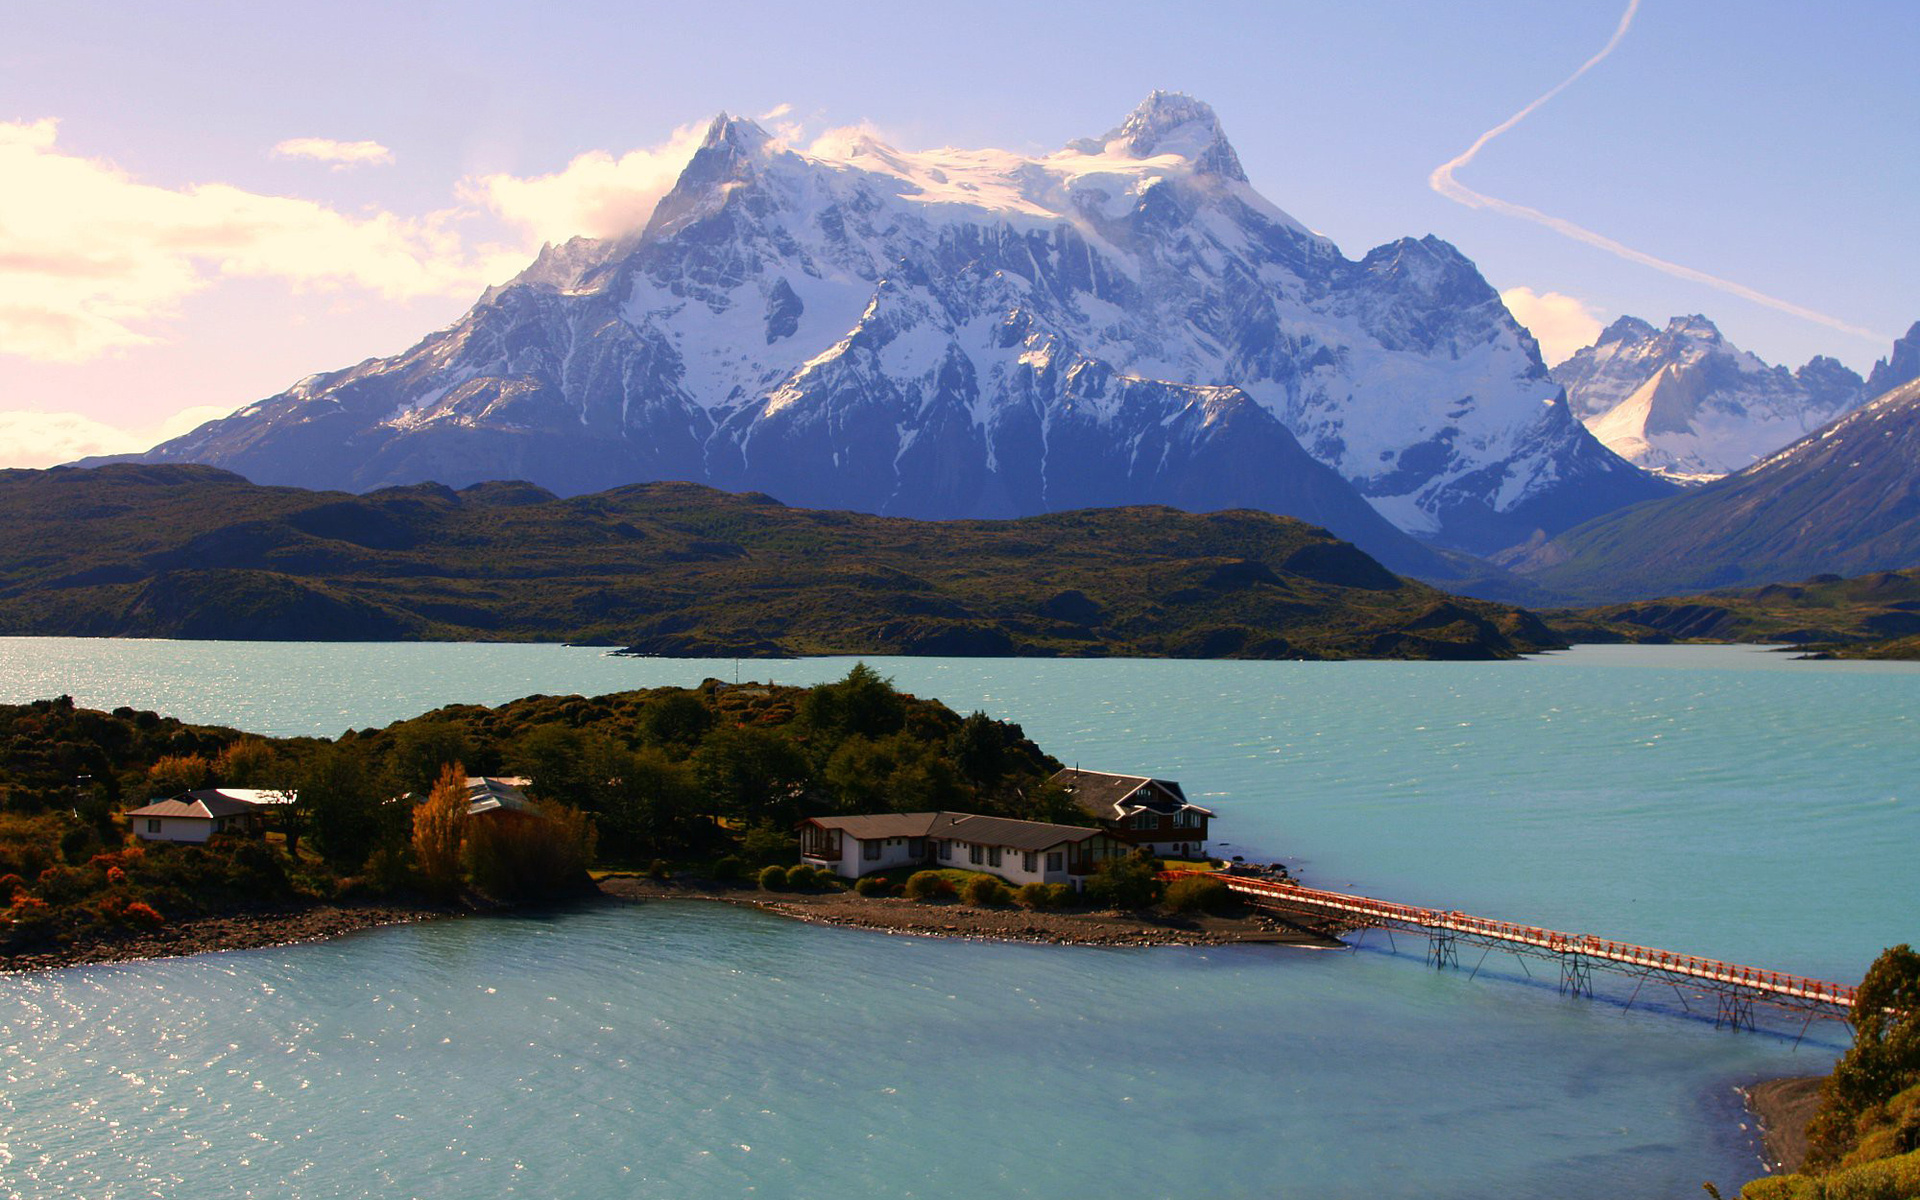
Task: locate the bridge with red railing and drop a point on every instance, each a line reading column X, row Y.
column 1737, row 987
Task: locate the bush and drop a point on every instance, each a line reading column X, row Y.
column 765, row 844
column 540, row 854
column 984, row 891
column 872, row 885
column 928, row 885
column 1197, row 893
column 1129, row 883
column 802, row 878
column 659, row 868
column 730, row 868
column 144, row 915
column 773, row 879
column 79, row 844
column 1033, row 895
column 1062, row 895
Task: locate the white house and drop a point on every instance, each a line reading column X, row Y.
column 1016, row 851
column 197, row 816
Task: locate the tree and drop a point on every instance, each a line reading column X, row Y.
column 752, row 775
column 246, row 763
column 175, row 773
column 521, row 856
column 979, row 749
column 1129, row 883
column 339, row 806
column 863, row 703
column 678, row 719
column 1049, row 801
column 421, row 751
column 439, row 828
column 552, row 756
column 1884, row 1060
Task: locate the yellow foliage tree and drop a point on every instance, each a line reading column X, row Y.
column 176, row 773
column 439, row 828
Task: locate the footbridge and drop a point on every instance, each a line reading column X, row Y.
column 1736, row 988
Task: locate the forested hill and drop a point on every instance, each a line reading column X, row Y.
column 674, row 568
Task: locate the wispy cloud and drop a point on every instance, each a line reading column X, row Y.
column 1443, row 181
column 1561, row 323
column 341, row 154
column 45, row 439
column 91, row 258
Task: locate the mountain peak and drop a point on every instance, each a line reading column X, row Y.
column 1902, row 366
column 1625, row 329
column 734, row 133
column 1171, row 123
column 1694, row 326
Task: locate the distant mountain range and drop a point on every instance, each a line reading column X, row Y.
column 1869, row 616
column 674, row 568
column 957, row 333
column 1687, row 404
column 1844, row 499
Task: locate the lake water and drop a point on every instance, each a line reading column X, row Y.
column 1716, row 800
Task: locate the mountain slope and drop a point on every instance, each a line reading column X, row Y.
column 186, row 551
column 958, row 333
column 1687, row 404
column 1845, row 499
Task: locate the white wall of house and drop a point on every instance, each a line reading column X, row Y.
column 1012, row 866
column 1175, row 848
column 883, row 854
column 172, row 829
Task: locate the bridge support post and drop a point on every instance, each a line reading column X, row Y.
column 1736, row 1010
column 1576, row 975
column 1441, row 950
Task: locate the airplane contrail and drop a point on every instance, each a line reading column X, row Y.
column 1442, row 180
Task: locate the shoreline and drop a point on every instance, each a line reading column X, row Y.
column 1782, row 1107
column 953, row 919
column 269, row 928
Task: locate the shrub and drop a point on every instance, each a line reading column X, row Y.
column 984, row 891
column 773, row 879
column 1197, row 893
column 1129, row 883
column 730, row 868
column 802, row 878
column 116, row 876
column 144, row 915
column 1033, row 895
column 659, row 868
column 535, row 854
column 928, row 885
column 765, row 844
column 1062, row 895
column 79, row 844
column 872, row 885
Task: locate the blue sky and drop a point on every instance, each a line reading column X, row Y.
column 173, row 262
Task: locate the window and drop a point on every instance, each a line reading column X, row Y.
column 153, row 824
column 1056, row 860
column 1143, row 820
column 946, row 849
column 993, row 856
column 870, row 849
column 1186, row 818
column 973, row 854
column 1030, row 861
column 916, row 847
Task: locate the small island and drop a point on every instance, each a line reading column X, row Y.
column 129, row 834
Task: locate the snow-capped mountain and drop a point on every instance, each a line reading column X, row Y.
column 1901, row 366
column 1686, row 403
column 953, row 333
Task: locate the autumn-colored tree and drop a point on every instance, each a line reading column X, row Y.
column 439, row 828
column 245, row 763
column 176, row 773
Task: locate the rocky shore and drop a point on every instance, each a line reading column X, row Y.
column 279, row 927
column 1783, row 1107
column 953, row 919
column 234, row 931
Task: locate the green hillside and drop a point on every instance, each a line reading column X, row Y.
column 674, row 568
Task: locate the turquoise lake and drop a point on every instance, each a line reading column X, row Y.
column 1718, row 800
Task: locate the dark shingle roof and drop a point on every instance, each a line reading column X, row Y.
column 967, row 827
column 1111, row 797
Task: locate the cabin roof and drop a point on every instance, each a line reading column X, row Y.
column 203, row 805
column 968, row 827
column 1112, row 797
